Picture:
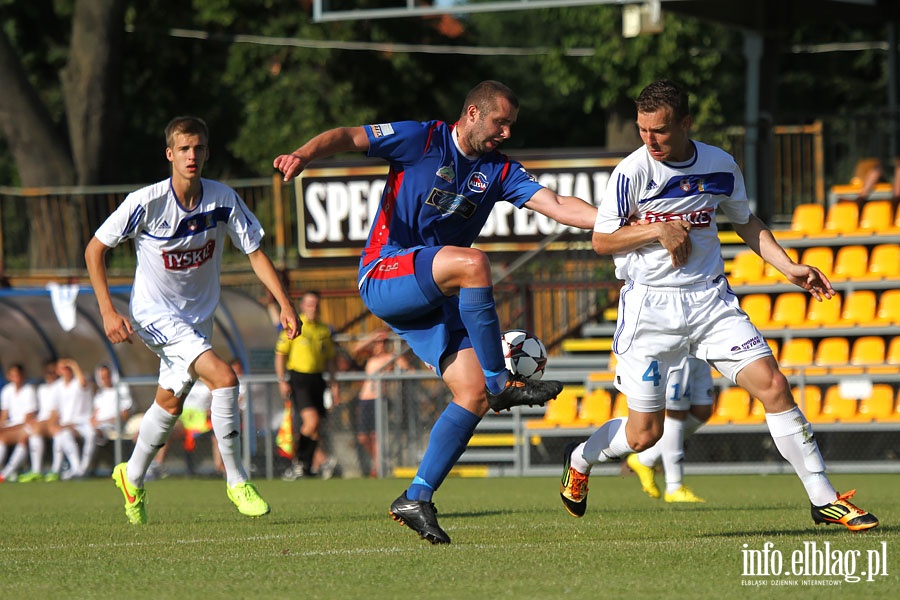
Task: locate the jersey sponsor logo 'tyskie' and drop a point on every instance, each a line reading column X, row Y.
column 697, row 218
column 188, row 259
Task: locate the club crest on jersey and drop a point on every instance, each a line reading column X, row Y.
column 382, row 130
column 188, row 259
column 685, row 185
column 446, row 173
column 478, row 182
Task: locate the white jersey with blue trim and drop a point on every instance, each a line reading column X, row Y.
column 179, row 251
column 643, row 188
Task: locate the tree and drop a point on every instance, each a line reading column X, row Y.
column 90, row 92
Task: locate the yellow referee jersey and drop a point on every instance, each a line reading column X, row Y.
column 310, row 351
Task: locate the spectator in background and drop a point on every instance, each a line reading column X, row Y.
column 18, row 409
column 300, row 364
column 76, row 407
column 376, row 352
column 111, row 397
column 869, row 173
column 46, row 426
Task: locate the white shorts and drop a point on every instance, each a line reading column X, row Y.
column 177, row 344
column 697, row 392
column 660, row 327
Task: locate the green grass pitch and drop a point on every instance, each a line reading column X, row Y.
column 511, row 539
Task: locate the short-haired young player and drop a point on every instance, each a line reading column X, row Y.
column 676, row 303
column 179, row 227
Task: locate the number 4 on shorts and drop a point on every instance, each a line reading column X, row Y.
column 652, row 373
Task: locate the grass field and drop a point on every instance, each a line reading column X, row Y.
column 511, row 539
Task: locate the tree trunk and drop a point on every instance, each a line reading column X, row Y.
column 92, row 89
column 40, row 151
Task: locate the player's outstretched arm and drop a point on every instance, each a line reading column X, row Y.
column 568, row 210
column 327, row 143
column 116, row 325
column 266, row 273
column 759, row 238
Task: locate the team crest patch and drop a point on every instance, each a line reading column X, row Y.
column 478, row 182
column 685, row 185
column 382, row 129
column 446, row 173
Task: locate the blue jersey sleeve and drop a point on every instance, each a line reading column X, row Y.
column 403, row 142
column 519, row 185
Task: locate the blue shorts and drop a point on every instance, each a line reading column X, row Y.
column 400, row 290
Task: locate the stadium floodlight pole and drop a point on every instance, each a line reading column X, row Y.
column 322, row 14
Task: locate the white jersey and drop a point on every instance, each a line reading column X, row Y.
column 48, row 399
column 18, row 403
column 643, row 188
column 179, row 252
column 109, row 401
column 75, row 403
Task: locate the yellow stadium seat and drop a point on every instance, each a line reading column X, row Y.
column 868, row 352
column 808, row 219
column 562, row 410
column 770, row 273
column 876, row 216
column 859, row 308
column 747, row 267
column 888, row 308
column 879, row 406
column 820, row 257
column 732, row 406
column 596, row 408
column 789, row 309
column 759, row 308
column 833, row 353
column 838, row 408
column 620, row 408
column 796, row 353
column 826, row 313
column 892, row 357
column 884, row 262
column 841, row 218
column 809, row 400
column 850, row 262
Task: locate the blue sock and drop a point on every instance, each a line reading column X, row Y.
column 448, row 440
column 479, row 314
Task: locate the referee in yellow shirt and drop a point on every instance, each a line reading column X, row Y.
column 300, row 364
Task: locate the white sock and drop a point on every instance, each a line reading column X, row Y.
column 671, row 448
column 87, row 450
column 64, row 445
column 226, row 422
column 19, row 454
column 36, row 449
column 605, row 444
column 152, row 435
column 794, row 439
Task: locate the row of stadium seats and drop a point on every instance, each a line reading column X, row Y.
column 837, row 356
column 799, row 309
column 733, row 406
column 842, row 218
column 854, row 262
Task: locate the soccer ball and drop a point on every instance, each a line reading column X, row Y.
column 524, row 353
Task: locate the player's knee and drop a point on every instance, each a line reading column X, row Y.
column 644, row 439
column 702, row 412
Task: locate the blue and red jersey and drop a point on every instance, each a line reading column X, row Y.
column 435, row 195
